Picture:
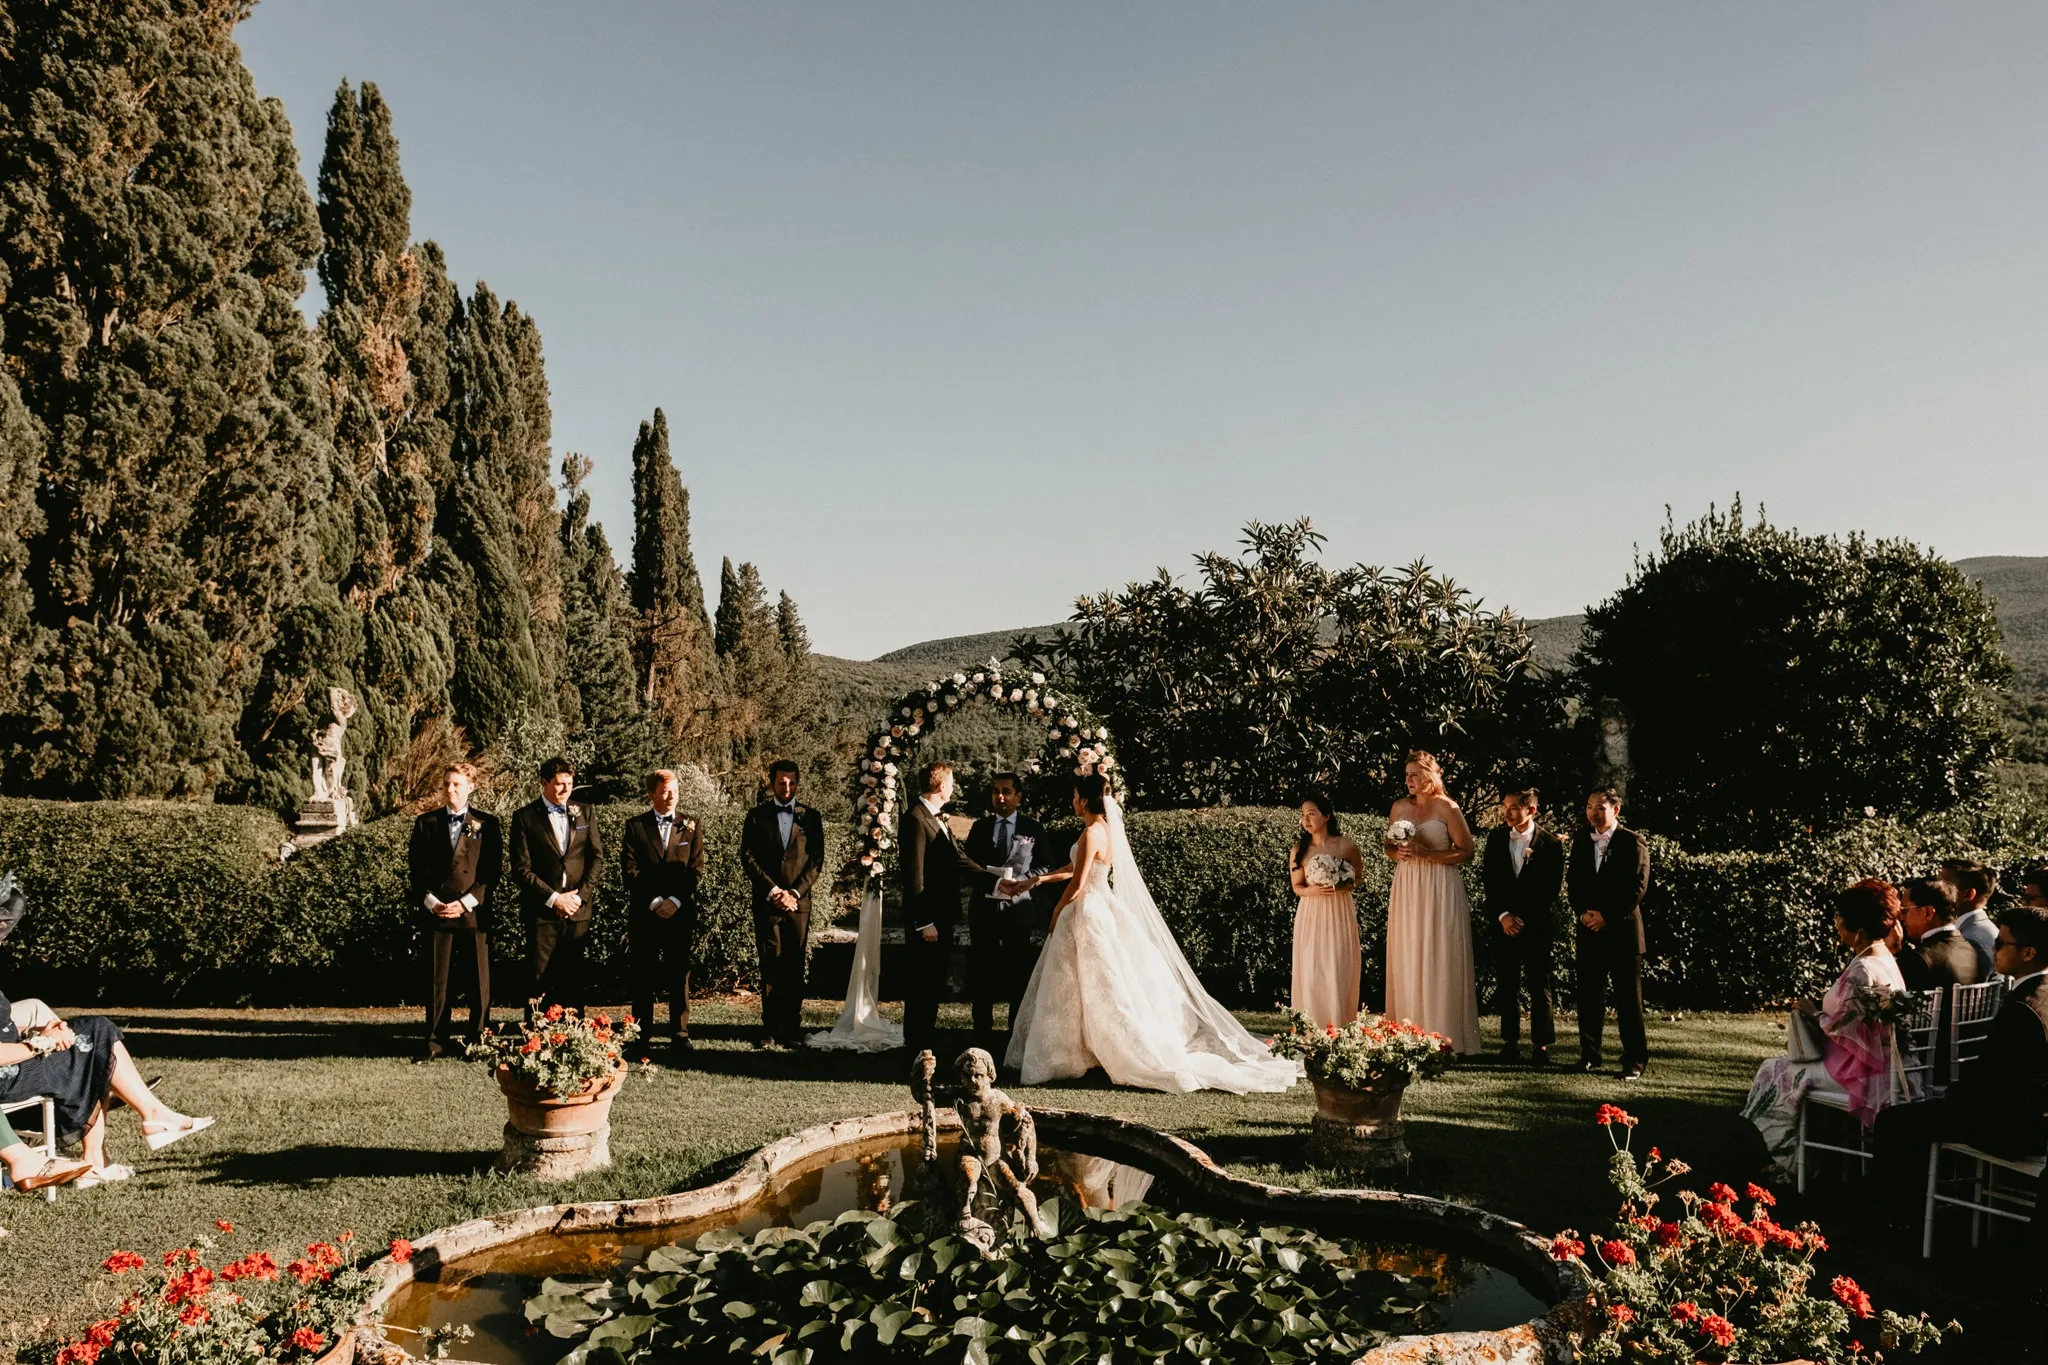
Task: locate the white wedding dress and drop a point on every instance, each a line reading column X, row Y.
column 1113, row 990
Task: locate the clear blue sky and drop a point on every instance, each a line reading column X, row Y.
column 960, row 310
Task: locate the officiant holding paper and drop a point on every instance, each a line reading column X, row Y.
column 1000, row 955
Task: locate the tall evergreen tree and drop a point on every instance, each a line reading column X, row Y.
column 751, row 666
column 600, row 624
column 154, row 235
column 21, row 458
column 377, row 526
column 674, row 648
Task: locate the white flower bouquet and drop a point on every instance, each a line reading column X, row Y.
column 1327, row 873
column 1400, row 831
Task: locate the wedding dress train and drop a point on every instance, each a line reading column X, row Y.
column 1112, row 989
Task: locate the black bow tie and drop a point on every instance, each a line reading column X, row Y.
column 791, row 807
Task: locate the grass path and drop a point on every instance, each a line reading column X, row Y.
column 326, row 1124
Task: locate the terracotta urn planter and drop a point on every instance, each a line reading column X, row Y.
column 1360, row 1129
column 554, row 1137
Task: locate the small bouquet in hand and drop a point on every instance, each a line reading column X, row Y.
column 1400, row 831
column 1883, row 1005
column 1326, row 872
column 1015, row 867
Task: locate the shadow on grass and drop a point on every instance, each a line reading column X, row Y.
column 317, row 1162
column 208, row 1038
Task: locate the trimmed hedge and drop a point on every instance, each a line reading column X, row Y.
column 148, row 902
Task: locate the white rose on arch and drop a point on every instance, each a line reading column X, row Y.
column 1038, row 678
column 1016, row 694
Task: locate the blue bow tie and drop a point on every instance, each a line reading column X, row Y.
column 557, row 810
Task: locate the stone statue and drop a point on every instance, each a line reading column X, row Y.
column 998, row 1144
column 1612, row 762
column 327, row 739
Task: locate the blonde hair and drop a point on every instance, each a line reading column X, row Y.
column 658, row 778
column 467, row 769
column 1425, row 760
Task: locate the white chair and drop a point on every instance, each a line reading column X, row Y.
column 1917, row 1035
column 1985, row 1196
column 1971, row 1009
column 49, row 1143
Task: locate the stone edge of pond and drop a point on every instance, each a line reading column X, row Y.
column 1419, row 1217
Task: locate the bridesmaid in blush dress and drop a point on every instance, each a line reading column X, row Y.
column 1326, row 955
column 1429, row 921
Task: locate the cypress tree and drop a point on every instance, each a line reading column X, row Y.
column 21, row 451
column 599, row 625
column 753, row 669
column 154, row 237
column 674, row 648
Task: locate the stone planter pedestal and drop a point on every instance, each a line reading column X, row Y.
column 557, row 1137
column 1358, row 1129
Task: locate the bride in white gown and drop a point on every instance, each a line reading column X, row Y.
column 1113, row 989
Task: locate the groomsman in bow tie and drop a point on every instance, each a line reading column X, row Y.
column 782, row 848
column 663, row 862
column 1610, row 872
column 1522, row 873
column 1000, row 956
column 556, row 858
column 452, row 864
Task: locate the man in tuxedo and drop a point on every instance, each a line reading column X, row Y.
column 1522, row 874
column 1939, row 955
column 782, row 848
column 1610, row 871
column 934, row 869
column 663, row 861
column 999, row 956
column 556, row 858
column 1998, row 1103
column 1974, row 885
column 452, row 866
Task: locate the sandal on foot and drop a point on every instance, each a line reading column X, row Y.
column 104, row 1175
column 53, row 1171
column 161, row 1133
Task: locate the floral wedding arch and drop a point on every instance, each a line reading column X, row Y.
column 1074, row 740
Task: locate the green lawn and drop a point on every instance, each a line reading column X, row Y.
column 326, row 1125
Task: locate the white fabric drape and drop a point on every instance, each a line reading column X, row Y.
column 861, row 1027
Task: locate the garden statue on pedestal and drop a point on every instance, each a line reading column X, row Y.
column 329, row 810
column 998, row 1143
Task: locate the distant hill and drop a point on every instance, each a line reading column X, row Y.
column 2018, row 585
column 1553, row 638
column 956, row 650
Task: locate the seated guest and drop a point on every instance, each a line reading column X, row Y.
column 30, row 1169
column 1940, row 955
column 1857, row 1053
column 78, row 1065
column 1974, row 884
column 1998, row 1104
column 2034, row 886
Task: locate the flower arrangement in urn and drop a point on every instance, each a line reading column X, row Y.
column 1712, row 1284
column 1369, row 1053
column 180, row 1307
column 558, row 1052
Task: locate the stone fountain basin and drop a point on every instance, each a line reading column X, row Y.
column 1199, row 1185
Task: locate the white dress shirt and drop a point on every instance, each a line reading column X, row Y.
column 1518, row 845
column 558, row 821
column 455, row 819
column 1600, row 842
column 785, row 820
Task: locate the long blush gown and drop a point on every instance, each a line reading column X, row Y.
column 1326, row 957
column 1429, row 946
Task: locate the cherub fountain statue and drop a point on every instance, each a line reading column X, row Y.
column 997, row 1157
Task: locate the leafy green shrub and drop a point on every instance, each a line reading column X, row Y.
column 1120, row 1285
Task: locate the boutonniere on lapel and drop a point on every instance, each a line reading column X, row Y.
column 575, row 814
column 472, row 827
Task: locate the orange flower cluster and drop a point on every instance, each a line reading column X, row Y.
column 255, row 1266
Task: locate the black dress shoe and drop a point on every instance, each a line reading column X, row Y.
column 1511, row 1052
column 681, row 1044
column 434, row 1053
column 1539, row 1057
column 1632, row 1073
column 1586, row 1066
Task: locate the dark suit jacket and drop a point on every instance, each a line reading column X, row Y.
column 1615, row 889
column 1946, row 959
column 981, row 850
column 1999, row 1102
column 468, row 866
column 1530, row 895
column 770, row 865
column 653, row 870
column 541, row 868
column 934, row 869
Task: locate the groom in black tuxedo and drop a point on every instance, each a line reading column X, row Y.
column 1522, row 873
column 1610, row 872
column 782, row 848
column 1000, row 957
column 557, row 858
column 934, row 870
column 452, row 865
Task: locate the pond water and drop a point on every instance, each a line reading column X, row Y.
column 488, row 1292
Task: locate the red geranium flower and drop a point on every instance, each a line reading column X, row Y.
column 1563, row 1248
column 1608, row 1113
column 306, row 1339
column 1621, row 1312
column 401, row 1250
column 603, row 1020
column 193, row 1284
column 554, row 1013
column 78, row 1353
column 345, row 1237
column 1669, row 1235
column 1656, row 1155
column 181, row 1254
column 224, row 1225
column 1719, row 1329
column 121, row 1262
column 102, row 1333
column 1816, row 1242
column 1850, row 1296
column 557, row 1039
column 1761, row 1195
column 194, row 1314
column 305, row 1272
column 1617, row 1253
column 1685, row 1311
column 1720, row 1194
column 324, row 1254
column 531, row 1045
column 255, row 1266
